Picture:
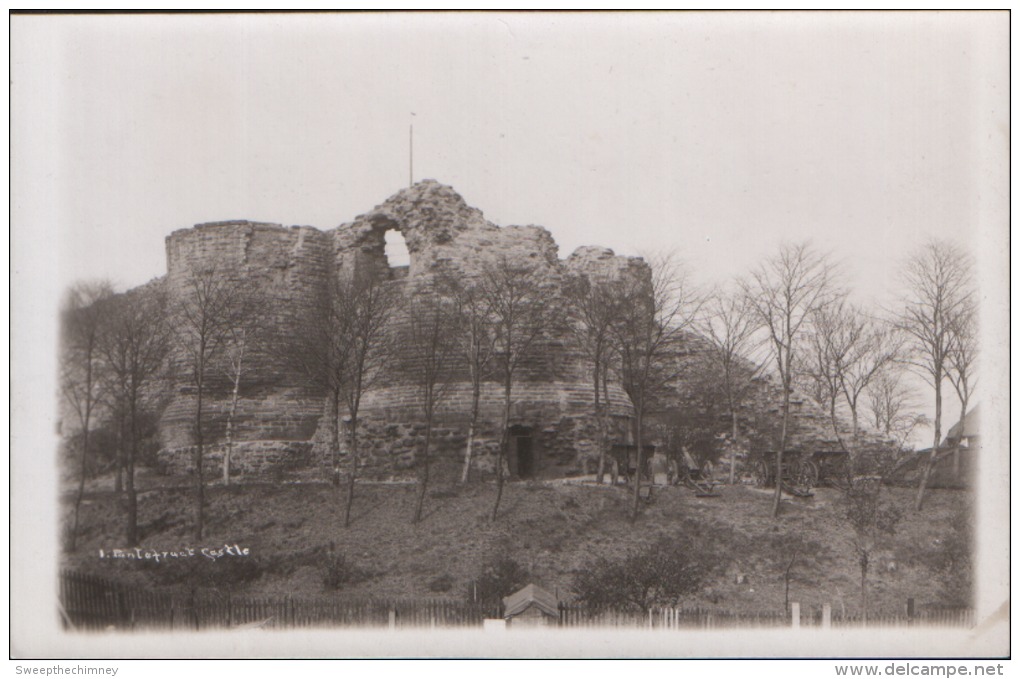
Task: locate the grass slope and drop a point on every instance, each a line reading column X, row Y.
column 549, row 528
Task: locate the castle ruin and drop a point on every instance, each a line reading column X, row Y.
column 279, row 423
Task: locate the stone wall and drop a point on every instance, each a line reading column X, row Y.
column 292, row 267
column 248, row 458
column 282, row 419
column 288, row 267
column 696, row 398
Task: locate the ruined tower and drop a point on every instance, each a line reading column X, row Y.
column 279, row 422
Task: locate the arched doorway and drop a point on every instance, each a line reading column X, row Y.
column 522, row 452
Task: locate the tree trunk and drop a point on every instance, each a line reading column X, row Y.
column 230, row 427
column 639, row 435
column 777, row 498
column 851, row 451
column 601, row 425
column 959, row 441
column 81, row 484
column 733, row 448
column 786, row 584
column 132, row 506
column 930, row 464
column 864, row 587
column 503, row 444
column 352, row 472
column 199, row 455
column 118, row 486
column 335, row 443
column 606, row 408
column 424, row 479
column 86, row 422
column 476, row 395
column 132, row 495
column 855, row 430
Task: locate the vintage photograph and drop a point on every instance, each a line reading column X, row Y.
column 503, row 326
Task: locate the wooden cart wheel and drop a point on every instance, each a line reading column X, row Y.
column 805, row 474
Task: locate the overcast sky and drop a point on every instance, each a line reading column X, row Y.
column 715, row 135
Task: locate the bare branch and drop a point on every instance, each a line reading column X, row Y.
column 786, row 292
column 938, row 303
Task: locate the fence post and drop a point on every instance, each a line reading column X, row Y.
column 795, row 614
column 910, row 611
column 392, row 618
column 826, row 616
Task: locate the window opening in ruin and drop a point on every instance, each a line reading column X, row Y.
column 522, row 456
column 396, row 250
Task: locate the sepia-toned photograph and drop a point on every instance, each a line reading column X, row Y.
column 599, row 334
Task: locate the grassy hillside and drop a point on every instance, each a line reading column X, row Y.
column 551, row 529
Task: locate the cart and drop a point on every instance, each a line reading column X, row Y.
column 827, row 467
column 693, row 476
column 798, row 475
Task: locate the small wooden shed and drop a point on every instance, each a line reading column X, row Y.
column 531, row 606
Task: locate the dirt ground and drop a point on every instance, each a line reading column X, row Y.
column 550, row 528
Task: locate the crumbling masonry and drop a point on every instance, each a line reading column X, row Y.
column 280, row 424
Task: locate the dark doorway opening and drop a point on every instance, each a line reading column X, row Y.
column 522, row 458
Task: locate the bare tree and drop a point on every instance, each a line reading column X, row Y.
column 785, row 292
column 341, row 343
column 513, row 292
column 82, row 320
column 729, row 324
column 135, row 342
column 318, row 345
column 591, row 315
column 825, row 353
column 891, row 405
column 939, row 291
column 365, row 307
column 204, row 318
column 427, row 345
column 872, row 522
column 243, row 338
column 651, row 318
column 847, row 351
column 477, row 344
column 889, row 400
column 888, row 397
column 877, row 346
column 962, row 371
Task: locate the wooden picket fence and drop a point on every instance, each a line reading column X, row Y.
column 574, row 615
column 92, row 602
column 948, row 617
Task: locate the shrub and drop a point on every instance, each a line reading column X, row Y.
column 338, row 571
column 443, row 583
column 659, row 575
column 950, row 559
column 499, row 578
column 873, row 521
